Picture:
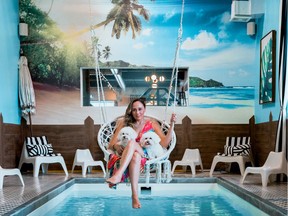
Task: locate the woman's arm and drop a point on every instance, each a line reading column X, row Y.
column 113, row 144
column 165, row 139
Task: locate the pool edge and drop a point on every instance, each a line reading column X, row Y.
column 262, row 204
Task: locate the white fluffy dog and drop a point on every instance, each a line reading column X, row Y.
column 151, row 142
column 126, row 134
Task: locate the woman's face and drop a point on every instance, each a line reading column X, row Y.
column 138, row 110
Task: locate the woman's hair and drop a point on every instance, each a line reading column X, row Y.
column 128, row 118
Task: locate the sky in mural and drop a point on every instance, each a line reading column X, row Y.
column 211, row 46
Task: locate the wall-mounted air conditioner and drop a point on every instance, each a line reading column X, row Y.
column 243, row 11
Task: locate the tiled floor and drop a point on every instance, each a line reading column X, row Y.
column 14, row 195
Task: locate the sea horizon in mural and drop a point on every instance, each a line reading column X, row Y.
column 222, row 97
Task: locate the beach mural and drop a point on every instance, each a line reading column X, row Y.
column 218, row 53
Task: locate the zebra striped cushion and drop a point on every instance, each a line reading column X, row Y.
column 36, row 140
column 38, row 146
column 237, row 146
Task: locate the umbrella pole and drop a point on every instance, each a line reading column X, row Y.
column 29, row 113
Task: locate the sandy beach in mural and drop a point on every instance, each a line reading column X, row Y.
column 62, row 106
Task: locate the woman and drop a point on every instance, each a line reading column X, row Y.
column 132, row 156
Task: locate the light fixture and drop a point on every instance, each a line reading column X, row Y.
column 23, row 29
column 154, row 85
column 251, row 27
column 161, row 78
column 147, row 79
column 154, row 79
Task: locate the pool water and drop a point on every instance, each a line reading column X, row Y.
column 159, row 199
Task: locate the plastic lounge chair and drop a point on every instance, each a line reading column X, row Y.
column 7, row 172
column 274, row 164
column 44, row 161
column 105, row 133
column 84, row 159
column 237, row 149
column 190, row 158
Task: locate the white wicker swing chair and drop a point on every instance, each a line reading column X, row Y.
column 106, row 132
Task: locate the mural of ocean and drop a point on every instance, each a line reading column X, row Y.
column 222, row 97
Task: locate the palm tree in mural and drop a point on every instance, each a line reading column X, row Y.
column 96, row 46
column 124, row 18
column 106, row 52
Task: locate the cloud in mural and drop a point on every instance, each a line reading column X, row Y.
column 225, row 20
column 224, row 59
column 204, row 40
column 146, row 31
column 221, row 65
column 239, row 73
column 143, row 45
column 169, row 15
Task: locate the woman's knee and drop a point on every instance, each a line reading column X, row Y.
column 131, row 144
column 136, row 158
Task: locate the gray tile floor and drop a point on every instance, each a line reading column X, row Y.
column 14, row 195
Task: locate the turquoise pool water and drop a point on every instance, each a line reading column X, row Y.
column 159, row 199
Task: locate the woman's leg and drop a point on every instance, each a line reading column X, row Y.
column 125, row 161
column 134, row 173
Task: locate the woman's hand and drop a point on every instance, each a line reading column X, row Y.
column 173, row 119
column 118, row 148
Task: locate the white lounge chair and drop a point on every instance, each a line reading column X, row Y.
column 237, row 149
column 190, row 158
column 106, row 132
column 84, row 159
column 274, row 164
column 7, row 172
column 42, row 160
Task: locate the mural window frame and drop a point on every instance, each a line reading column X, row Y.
column 128, row 83
column 267, row 68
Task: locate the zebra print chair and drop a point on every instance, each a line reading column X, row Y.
column 38, row 151
column 236, row 149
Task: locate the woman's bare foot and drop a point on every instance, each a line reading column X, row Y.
column 114, row 180
column 135, row 202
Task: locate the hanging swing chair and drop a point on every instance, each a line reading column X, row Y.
column 106, row 132
column 107, row 129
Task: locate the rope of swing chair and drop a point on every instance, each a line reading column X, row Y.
column 174, row 75
column 100, row 76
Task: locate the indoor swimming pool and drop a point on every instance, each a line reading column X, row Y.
column 157, row 199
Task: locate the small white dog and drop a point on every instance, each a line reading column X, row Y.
column 151, row 142
column 126, row 134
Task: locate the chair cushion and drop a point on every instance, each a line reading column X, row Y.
column 37, row 140
column 38, row 146
column 237, row 146
column 237, row 150
column 40, row 150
